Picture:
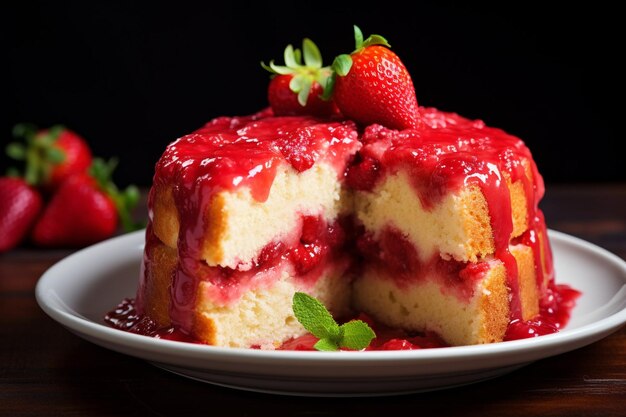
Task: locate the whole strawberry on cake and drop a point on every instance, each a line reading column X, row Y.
column 348, row 191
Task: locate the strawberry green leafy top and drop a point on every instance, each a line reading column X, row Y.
column 304, row 74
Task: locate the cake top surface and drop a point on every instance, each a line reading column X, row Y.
column 444, row 136
column 445, row 152
column 229, row 152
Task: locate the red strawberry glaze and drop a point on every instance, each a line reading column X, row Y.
column 555, row 308
column 228, row 153
column 125, row 317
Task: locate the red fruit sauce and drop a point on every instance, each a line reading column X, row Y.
column 125, row 317
column 387, row 338
column 554, row 313
column 443, row 154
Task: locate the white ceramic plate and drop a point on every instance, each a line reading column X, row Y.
column 81, row 288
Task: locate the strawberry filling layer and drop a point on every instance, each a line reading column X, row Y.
column 321, row 247
column 398, row 259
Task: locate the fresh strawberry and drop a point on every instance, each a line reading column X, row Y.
column 85, row 209
column 78, row 214
column 51, row 155
column 297, row 89
column 19, row 207
column 372, row 85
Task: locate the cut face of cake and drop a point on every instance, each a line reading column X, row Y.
column 447, row 210
column 243, row 213
column 429, row 229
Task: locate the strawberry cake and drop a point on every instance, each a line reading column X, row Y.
column 420, row 219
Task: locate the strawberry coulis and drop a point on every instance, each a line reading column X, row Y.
column 444, row 153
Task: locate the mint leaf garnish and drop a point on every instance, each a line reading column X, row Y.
column 315, row 318
column 357, row 335
column 326, row 345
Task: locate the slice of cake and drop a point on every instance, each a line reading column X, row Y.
column 446, row 210
column 243, row 213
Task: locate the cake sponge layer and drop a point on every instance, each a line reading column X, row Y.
column 261, row 316
column 428, row 304
column 235, row 226
column 458, row 226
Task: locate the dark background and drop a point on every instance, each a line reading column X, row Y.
column 132, row 77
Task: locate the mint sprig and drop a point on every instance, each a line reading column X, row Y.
column 315, row 318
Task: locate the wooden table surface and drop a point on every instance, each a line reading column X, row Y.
column 47, row 371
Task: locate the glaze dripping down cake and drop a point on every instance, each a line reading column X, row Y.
column 435, row 228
